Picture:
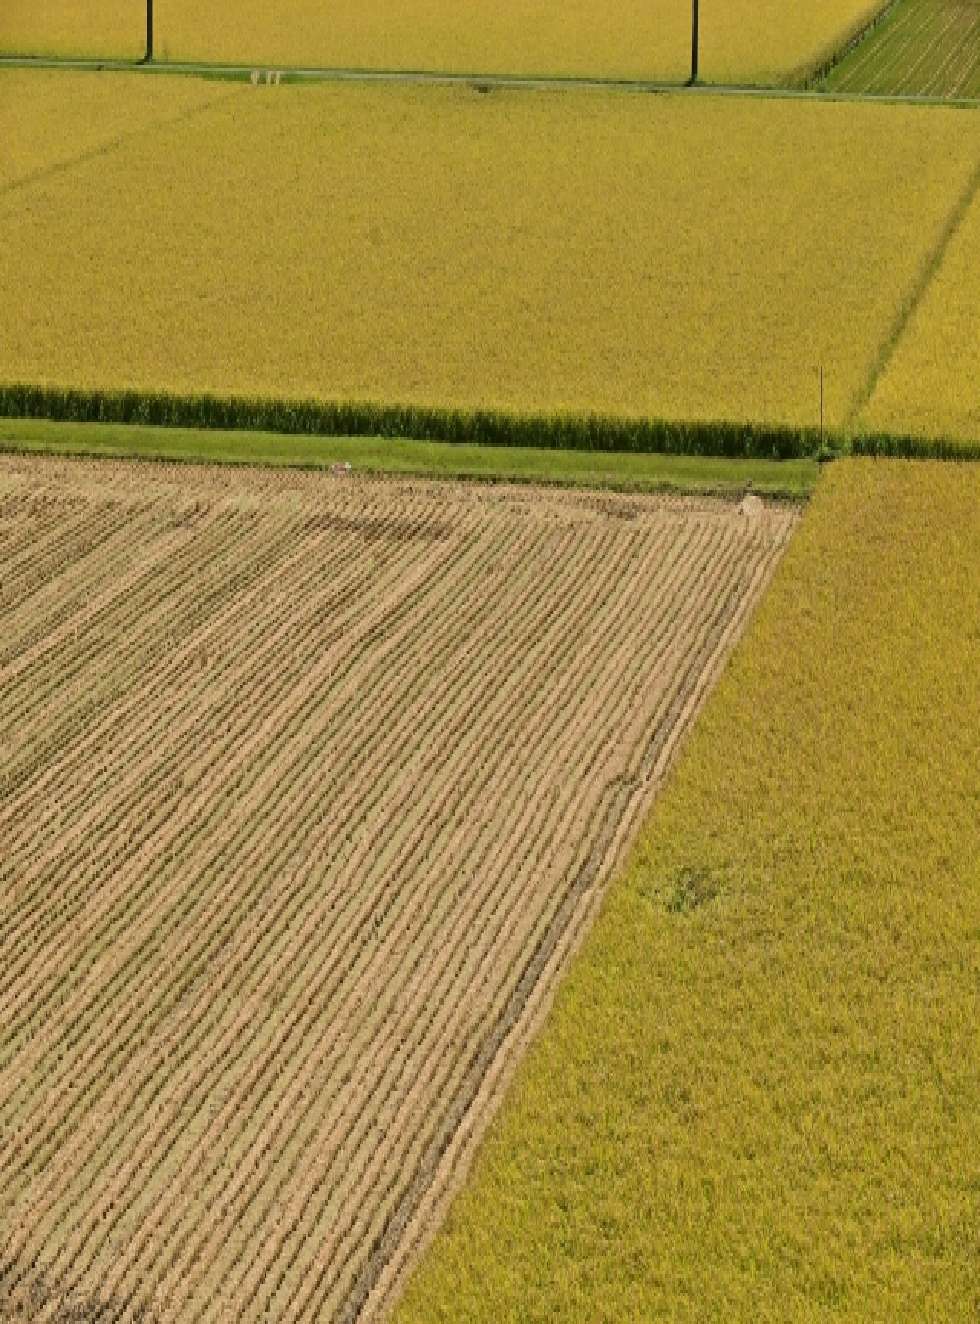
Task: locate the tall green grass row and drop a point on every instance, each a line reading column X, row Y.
column 485, row 427
column 896, row 447
column 582, row 432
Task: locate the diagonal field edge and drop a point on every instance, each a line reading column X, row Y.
column 106, row 148
column 655, row 760
column 910, row 305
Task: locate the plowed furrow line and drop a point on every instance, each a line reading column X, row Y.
column 519, row 833
column 156, row 567
column 355, row 1054
column 105, row 743
column 36, row 543
column 54, row 659
column 38, row 534
column 254, row 574
column 53, row 609
column 503, row 955
column 400, row 1220
column 62, row 775
column 83, row 692
column 56, row 845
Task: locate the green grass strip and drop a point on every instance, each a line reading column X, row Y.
column 757, row 1096
column 592, row 433
column 792, row 479
column 484, row 427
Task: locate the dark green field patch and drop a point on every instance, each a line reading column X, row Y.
column 925, row 48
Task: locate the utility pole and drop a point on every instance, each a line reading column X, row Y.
column 149, row 31
column 695, row 40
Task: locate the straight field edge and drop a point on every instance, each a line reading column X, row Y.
column 723, row 439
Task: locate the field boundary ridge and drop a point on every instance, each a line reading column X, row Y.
column 792, row 89
column 719, row 438
column 484, row 427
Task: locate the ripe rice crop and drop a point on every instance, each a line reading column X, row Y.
column 742, row 39
column 307, row 787
column 757, row 1096
column 923, row 48
column 44, row 132
column 931, row 386
column 656, row 258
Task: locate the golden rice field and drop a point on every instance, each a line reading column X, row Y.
column 759, row 40
column 932, row 383
column 47, row 129
column 757, row 1096
column 560, row 252
column 307, row 786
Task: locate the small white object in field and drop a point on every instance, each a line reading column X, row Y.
column 340, row 469
column 255, row 77
column 751, row 506
column 278, row 78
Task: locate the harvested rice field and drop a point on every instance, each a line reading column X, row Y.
column 742, row 39
column 308, row 787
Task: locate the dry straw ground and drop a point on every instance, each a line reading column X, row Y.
column 742, row 39
column 586, row 252
column 307, row 785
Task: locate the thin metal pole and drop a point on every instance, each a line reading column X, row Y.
column 695, row 42
column 149, row 30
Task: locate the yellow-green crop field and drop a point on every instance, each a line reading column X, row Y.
column 932, row 383
column 758, row 1095
column 47, row 129
column 579, row 252
column 760, row 40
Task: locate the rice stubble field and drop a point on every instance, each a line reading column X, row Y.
column 308, row 786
